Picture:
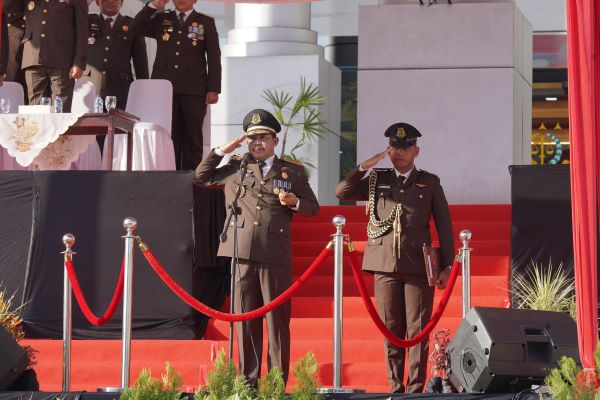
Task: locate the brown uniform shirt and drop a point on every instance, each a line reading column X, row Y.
column 421, row 197
column 188, row 56
column 110, row 53
column 264, row 224
column 56, row 34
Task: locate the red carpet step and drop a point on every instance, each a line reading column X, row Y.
column 97, row 363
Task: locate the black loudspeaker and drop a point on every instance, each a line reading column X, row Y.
column 504, row 350
column 13, row 359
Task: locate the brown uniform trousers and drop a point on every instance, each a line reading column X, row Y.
column 55, row 40
column 14, row 12
column 264, row 249
column 110, row 51
column 404, row 298
column 189, row 57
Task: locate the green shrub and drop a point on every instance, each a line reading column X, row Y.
column 148, row 388
column 307, row 382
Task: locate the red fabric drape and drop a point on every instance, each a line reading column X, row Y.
column 583, row 34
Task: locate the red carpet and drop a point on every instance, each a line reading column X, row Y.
column 97, row 363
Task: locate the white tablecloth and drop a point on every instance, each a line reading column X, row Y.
column 36, row 139
column 152, row 149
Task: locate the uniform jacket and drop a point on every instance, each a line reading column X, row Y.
column 110, row 52
column 264, row 224
column 3, row 46
column 188, row 56
column 421, row 197
column 13, row 20
column 56, row 37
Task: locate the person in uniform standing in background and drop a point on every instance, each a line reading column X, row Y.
column 14, row 10
column 272, row 191
column 111, row 49
column 54, row 48
column 401, row 202
column 188, row 55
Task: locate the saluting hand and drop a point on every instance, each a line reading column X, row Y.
column 75, row 72
column 371, row 162
column 288, row 199
column 234, row 144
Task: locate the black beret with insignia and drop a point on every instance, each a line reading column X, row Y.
column 260, row 121
column 402, row 134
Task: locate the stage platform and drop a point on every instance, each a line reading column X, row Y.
column 370, row 396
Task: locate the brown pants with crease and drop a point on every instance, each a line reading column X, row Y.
column 257, row 284
column 405, row 302
column 48, row 81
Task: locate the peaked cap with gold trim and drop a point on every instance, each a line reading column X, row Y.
column 402, row 133
column 259, row 121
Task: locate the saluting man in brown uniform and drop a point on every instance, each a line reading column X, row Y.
column 272, row 191
column 111, row 48
column 188, row 55
column 54, row 48
column 14, row 10
column 401, row 202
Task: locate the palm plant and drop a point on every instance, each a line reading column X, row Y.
column 298, row 115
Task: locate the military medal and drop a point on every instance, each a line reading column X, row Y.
column 284, row 175
column 276, row 190
column 170, row 29
column 91, row 40
column 31, row 5
column 166, row 37
column 242, row 191
column 125, row 28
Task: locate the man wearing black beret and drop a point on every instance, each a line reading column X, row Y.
column 401, row 202
column 273, row 190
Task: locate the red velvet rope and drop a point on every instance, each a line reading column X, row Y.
column 379, row 323
column 204, row 309
column 85, row 308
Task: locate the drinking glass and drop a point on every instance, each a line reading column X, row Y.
column 45, row 101
column 5, row 106
column 110, row 102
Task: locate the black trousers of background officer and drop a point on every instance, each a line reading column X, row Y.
column 186, row 130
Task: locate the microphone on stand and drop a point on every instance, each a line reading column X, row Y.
column 248, row 158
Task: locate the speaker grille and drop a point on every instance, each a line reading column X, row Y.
column 469, row 363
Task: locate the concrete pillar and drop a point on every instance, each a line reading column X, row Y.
column 272, row 47
column 460, row 73
column 271, row 29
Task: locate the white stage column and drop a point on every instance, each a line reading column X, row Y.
column 461, row 73
column 272, row 47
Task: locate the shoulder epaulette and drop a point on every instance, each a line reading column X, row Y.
column 426, row 173
column 205, row 15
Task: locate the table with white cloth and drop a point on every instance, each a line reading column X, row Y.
column 55, row 141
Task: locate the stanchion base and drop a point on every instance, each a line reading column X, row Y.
column 109, row 390
column 339, row 390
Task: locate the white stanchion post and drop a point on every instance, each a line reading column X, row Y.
column 338, row 253
column 465, row 253
column 129, row 224
column 69, row 241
